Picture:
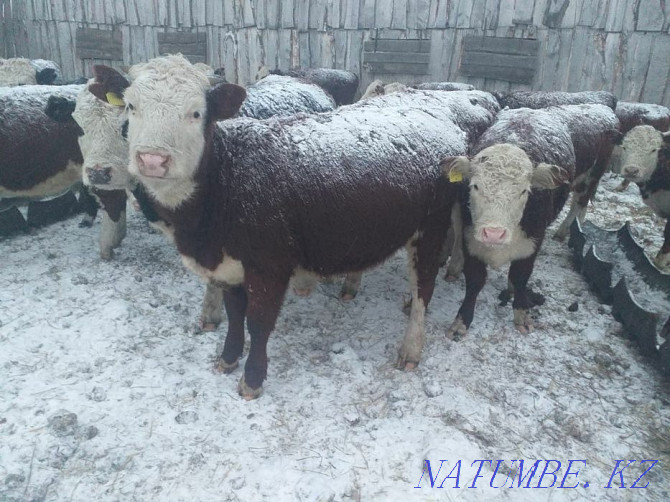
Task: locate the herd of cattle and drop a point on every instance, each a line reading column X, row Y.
column 287, row 180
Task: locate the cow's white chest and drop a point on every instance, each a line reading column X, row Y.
column 230, row 271
column 659, row 202
column 521, row 246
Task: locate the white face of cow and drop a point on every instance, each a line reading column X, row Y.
column 500, row 180
column 102, row 145
column 638, row 153
column 167, row 106
column 16, row 71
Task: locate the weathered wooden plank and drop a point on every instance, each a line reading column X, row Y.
column 399, row 16
column 229, row 55
column 649, row 15
column 502, row 45
column 199, row 12
column 636, row 64
column 213, row 13
column 340, row 49
column 317, row 15
column 247, row 17
column 462, row 14
column 301, row 14
column 491, row 13
column 285, row 50
column 579, row 48
column 505, row 14
column 659, row 71
column 366, row 14
column 270, row 40
column 334, row 14
column 304, row 55
column 612, row 63
column 441, row 50
column 523, row 11
column 521, row 75
column 93, row 43
column 391, row 68
column 385, row 45
column 396, row 57
column 589, row 12
column 383, row 13
column 615, row 13
column 354, row 53
column 350, row 9
column 272, row 10
column 498, row 60
column 286, row 14
column 417, row 14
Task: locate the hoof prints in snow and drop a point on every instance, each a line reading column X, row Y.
column 620, row 272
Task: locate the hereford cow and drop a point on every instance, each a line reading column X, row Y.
column 644, row 159
column 99, row 111
column 21, row 71
column 252, row 201
column 635, row 114
column 514, row 186
column 340, row 84
column 38, row 157
column 544, row 99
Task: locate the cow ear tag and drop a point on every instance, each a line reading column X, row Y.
column 455, row 176
column 114, row 99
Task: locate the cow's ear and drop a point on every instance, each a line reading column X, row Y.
column 46, row 76
column 456, row 168
column 549, row 176
column 109, row 85
column 616, row 136
column 60, row 108
column 224, row 100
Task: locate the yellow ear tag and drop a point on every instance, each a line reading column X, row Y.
column 455, row 176
column 114, row 99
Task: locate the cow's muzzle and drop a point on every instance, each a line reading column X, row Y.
column 153, row 165
column 494, row 236
column 99, row 175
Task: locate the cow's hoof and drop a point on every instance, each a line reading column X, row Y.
column 247, row 392
column 302, row 292
column 208, row 326
column 450, row 277
column 107, row 255
column 347, row 296
column 560, row 235
column 622, row 187
column 222, row 366
column 403, row 364
column 457, row 330
column 662, row 261
column 523, row 322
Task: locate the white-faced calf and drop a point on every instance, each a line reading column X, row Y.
column 252, row 201
column 511, row 190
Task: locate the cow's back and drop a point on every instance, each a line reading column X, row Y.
column 635, row 114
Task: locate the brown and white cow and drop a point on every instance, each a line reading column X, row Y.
column 644, row 159
column 252, row 201
column 22, row 71
column 512, row 188
column 38, row 156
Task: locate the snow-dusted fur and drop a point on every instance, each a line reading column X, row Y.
column 544, row 99
column 277, row 95
column 379, row 88
column 16, row 71
column 443, row 86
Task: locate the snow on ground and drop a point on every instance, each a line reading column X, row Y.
column 107, row 392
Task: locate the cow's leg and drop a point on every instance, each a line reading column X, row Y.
column 456, row 261
column 212, row 304
column 662, row 259
column 265, row 295
column 351, row 285
column 89, row 205
column 303, row 282
column 423, row 253
column 475, row 278
column 113, row 228
column 519, row 274
column 235, row 300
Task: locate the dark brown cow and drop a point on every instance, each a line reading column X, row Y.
column 543, row 99
column 253, row 201
column 340, row 84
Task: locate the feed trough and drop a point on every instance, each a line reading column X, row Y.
column 618, row 270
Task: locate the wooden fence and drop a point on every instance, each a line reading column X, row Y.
column 618, row 45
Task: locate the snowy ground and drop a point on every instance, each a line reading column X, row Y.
column 115, row 344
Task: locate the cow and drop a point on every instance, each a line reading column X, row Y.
column 22, row 71
column 644, row 159
column 511, row 189
column 443, row 86
column 252, row 201
column 340, row 84
column 635, row 114
column 379, row 88
column 99, row 112
column 38, row 157
column 544, row 99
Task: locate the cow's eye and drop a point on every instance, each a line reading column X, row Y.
column 475, row 187
column 524, row 191
column 196, row 115
column 131, row 107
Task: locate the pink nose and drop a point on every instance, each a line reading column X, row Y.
column 493, row 235
column 153, row 165
column 631, row 171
